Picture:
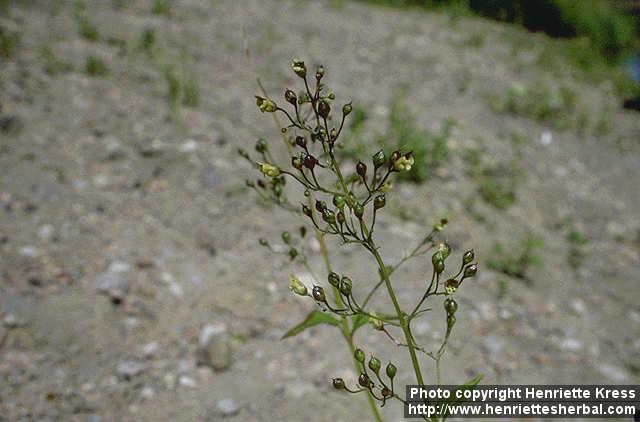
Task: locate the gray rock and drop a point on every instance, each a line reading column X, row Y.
column 114, row 285
column 214, row 349
column 129, row 369
column 228, row 407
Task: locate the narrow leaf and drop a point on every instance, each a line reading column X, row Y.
column 314, row 318
column 358, row 321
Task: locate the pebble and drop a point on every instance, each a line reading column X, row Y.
column 578, row 306
column 228, row 407
column 214, row 349
column 546, row 138
column 28, row 251
column 147, row 393
column 119, row 267
column 176, row 289
column 186, row 381
column 45, row 231
column 149, row 350
column 129, row 369
column 10, row 320
column 189, row 145
column 112, row 284
column 571, row 345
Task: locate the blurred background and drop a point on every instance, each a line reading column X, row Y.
column 132, row 283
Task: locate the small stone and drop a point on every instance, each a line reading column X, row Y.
column 10, row 320
column 228, row 407
column 147, row 393
column 114, row 148
column 189, row 145
column 176, row 289
column 571, row 345
column 129, row 369
column 546, row 138
column 119, row 267
column 28, row 251
column 113, row 285
column 578, row 306
column 214, row 349
column 186, row 381
column 149, row 350
column 45, row 231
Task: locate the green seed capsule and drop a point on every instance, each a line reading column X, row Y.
column 391, row 370
column 306, row 210
column 346, row 109
column 438, row 266
column 364, row 380
column 379, row 201
column 358, row 210
column 468, row 257
column 334, row 279
column 329, row 216
column 379, row 159
column 374, row 364
column 261, row 145
column 338, row 383
column 338, row 201
column 376, row 323
column 470, row 270
column 318, row 294
column 359, row 355
column 451, row 306
column 345, row 286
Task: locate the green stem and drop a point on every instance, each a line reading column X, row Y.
column 344, row 325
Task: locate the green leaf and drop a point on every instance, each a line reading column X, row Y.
column 314, row 318
column 358, row 321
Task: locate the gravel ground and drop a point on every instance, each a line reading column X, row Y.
column 132, row 285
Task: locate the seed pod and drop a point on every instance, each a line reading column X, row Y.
column 338, row 383
column 375, row 322
column 296, row 286
column 379, row 159
column 374, row 364
column 328, row 216
column 468, row 257
column 451, row 285
column 301, row 142
column 361, row 169
column 445, row 250
column 324, row 109
column 334, row 279
column 269, row 170
column 358, row 210
column 438, row 266
column 290, row 96
column 364, row 380
column 318, row 294
column 359, row 355
column 296, row 162
column 379, row 201
column 340, row 217
column 320, row 205
column 319, row 73
column 306, row 210
column 299, row 68
column 338, row 201
column 333, row 134
column 391, row 370
column 470, row 271
column 346, row 109
column 345, row 286
column 293, row 253
column 310, row 161
column 286, row 237
column 450, row 305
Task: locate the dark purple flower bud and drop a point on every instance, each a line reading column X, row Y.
column 324, row 108
column 310, row 161
column 301, row 142
column 290, row 96
column 361, row 169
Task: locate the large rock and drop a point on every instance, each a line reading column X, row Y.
column 214, row 348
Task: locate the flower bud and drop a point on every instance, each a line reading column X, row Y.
column 340, row 217
column 470, row 271
column 379, row 159
column 394, row 156
column 359, row 355
column 310, row 161
column 338, row 383
column 261, row 145
column 296, row 286
column 328, row 216
column 450, row 305
column 320, row 205
column 319, row 73
column 404, row 163
column 306, row 210
column 451, row 285
column 346, row 109
column 391, row 370
column 301, row 142
column 345, row 286
column 361, row 169
column 338, row 201
column 296, row 162
column 374, row 364
column 468, row 257
column 318, row 294
column 358, row 210
column 379, row 201
column 286, row 237
column 266, row 104
column 445, row 250
column 324, row 109
column 334, row 279
column 269, row 170
column 364, row 380
column 438, row 266
column 290, row 96
column 299, row 68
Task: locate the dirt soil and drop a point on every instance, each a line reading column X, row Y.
column 126, row 229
